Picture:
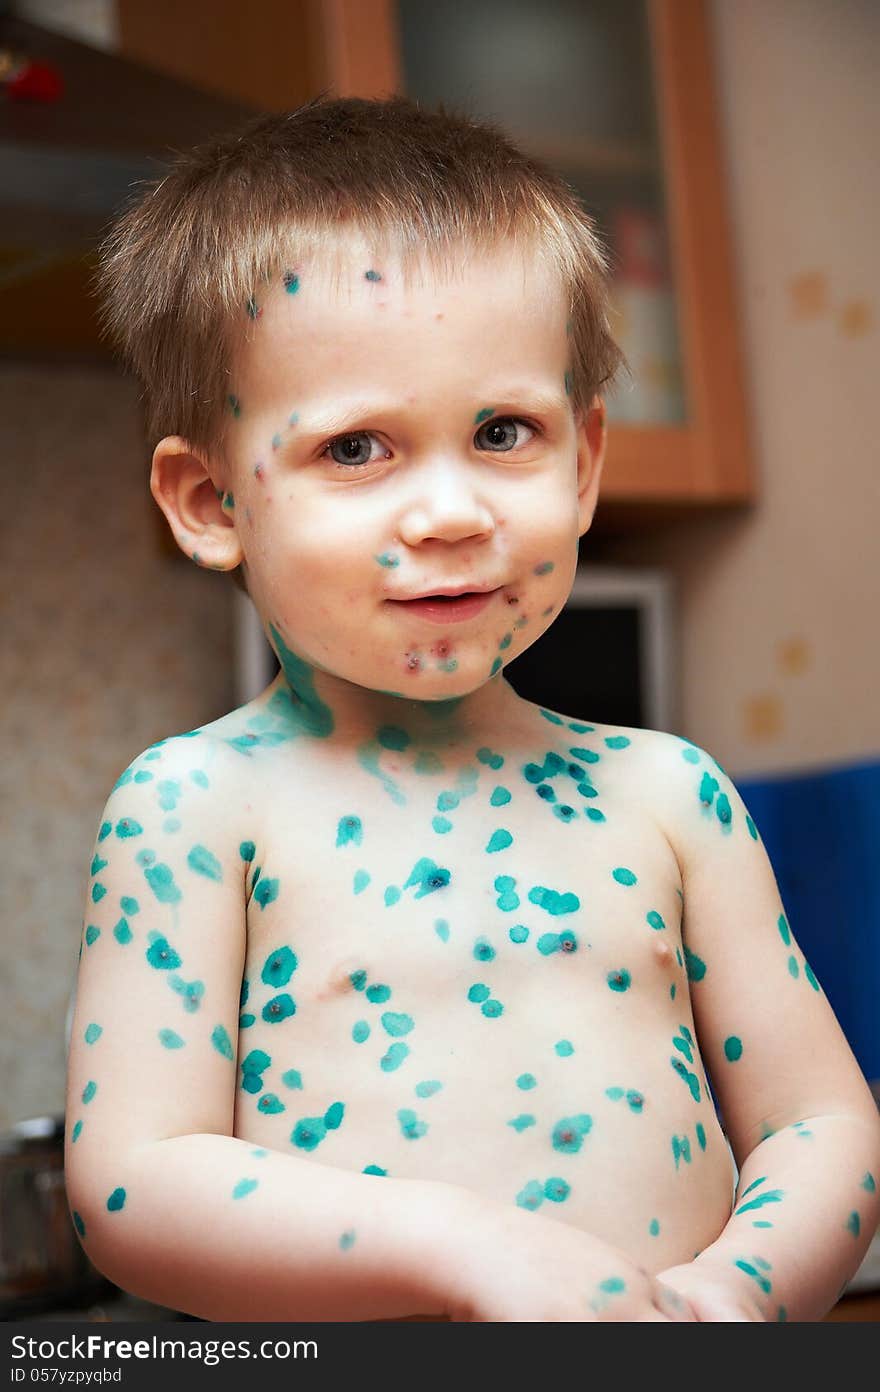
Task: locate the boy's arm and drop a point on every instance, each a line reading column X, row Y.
column 167, row 1202
column 799, row 1115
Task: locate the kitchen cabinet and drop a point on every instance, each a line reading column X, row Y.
column 619, row 96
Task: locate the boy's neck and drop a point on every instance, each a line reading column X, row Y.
column 341, row 714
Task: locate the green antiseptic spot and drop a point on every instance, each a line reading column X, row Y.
column 171, row 1039
column 784, row 931
column 655, row 920
column 519, row 933
column 266, row 892
column 74, row 1135
column 280, row 1007
column 484, row 414
column 346, row 1239
column 308, row 1133
column 500, row 797
column 483, row 950
column 393, row 737
column 292, row 1078
column 161, row 882
column 89, row 1090
column 278, row 967
column 568, row 1134
column 499, row 840
column 428, row 1088
column 809, row 974
column 127, row 826
column 687, row 1076
column 116, row 1201
column 478, row 992
column 556, row 1190
column 441, row 928
column 526, row 1081
column 98, row 892
column 244, row 1187
column 490, row 758
column 428, row 875
column 360, row 881
column 360, row 1031
column 617, row 741
column 92, row 1033
column 105, row 830
column 733, row 1048
column 624, row 876
column 564, row 1048
column 374, row 1169
column 619, row 980
column 270, row 1104
column 221, row 1041
column 410, row 1125
column 545, row 568
column 92, row 934
column 868, row 1183
column 387, row 560
column 192, row 992
column 393, row 1057
column 377, row 994
column 532, row 1195
column 161, row 955
column 392, row 894
column 508, row 899
column 396, row 1024
column 654, row 1227
column 754, row 1273
column 78, row 1223
column 694, row 965
column 853, row 1223
column 358, row 980
column 681, row 1150
column 349, row 830
column 768, row 1196
column 333, row 1116
column 793, row 967
column 521, row 1122
column 247, row 850
column 701, row 1135
column 552, row 901
column 492, row 1009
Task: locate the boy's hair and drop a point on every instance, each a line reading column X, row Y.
column 182, row 269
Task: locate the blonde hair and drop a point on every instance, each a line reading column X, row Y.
column 182, row 268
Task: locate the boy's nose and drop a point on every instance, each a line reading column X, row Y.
column 445, row 505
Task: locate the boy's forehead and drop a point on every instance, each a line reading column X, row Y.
column 356, row 298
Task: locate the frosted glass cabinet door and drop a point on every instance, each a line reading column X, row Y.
column 572, row 82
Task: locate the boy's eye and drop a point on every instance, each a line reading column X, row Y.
column 500, row 433
column 351, row 451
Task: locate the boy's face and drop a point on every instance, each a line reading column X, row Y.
column 392, row 443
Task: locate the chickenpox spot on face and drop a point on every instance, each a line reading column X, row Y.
column 484, row 414
column 544, row 568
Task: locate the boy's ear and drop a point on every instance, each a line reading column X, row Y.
column 182, row 485
column 591, row 437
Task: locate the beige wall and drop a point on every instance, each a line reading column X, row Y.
column 108, row 644
column 780, row 608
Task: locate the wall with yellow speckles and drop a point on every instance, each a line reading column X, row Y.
column 108, row 644
column 780, row 607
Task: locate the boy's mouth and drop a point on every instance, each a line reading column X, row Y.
column 447, row 608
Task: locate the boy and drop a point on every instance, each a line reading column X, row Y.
column 396, row 989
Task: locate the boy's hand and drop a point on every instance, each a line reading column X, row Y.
column 713, row 1295
column 511, row 1265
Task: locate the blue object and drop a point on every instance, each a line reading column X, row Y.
column 822, row 834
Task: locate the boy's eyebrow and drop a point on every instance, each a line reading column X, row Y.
column 342, row 416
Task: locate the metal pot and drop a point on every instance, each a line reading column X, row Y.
column 41, row 1260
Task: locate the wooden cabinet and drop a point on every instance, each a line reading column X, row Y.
column 620, row 97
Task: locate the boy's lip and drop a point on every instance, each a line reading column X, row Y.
column 447, row 590
column 443, row 608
